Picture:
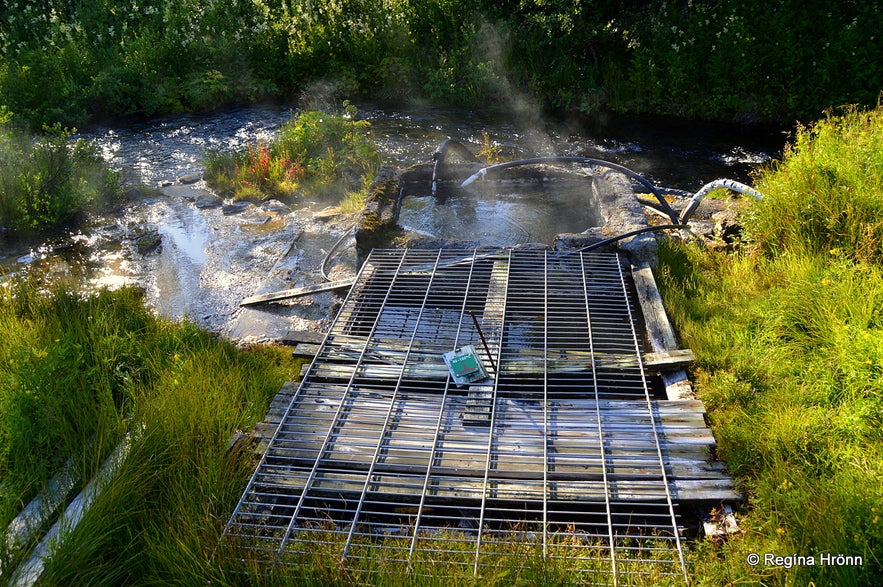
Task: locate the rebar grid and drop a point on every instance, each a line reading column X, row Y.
column 558, row 452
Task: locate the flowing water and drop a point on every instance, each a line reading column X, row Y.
column 208, row 259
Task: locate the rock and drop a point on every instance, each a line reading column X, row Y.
column 275, row 206
column 148, row 243
column 235, row 208
column 134, row 193
column 727, row 226
column 189, row 178
column 207, row 200
column 377, row 221
column 327, row 214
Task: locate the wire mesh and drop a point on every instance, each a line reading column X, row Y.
column 557, row 453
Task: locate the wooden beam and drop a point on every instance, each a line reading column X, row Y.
column 297, row 292
column 294, row 337
column 480, row 398
column 659, row 329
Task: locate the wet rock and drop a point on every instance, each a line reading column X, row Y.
column 189, row 178
column 275, row 206
column 327, row 214
column 135, row 193
column 148, row 243
column 727, row 225
column 207, row 200
column 377, row 221
column 235, row 208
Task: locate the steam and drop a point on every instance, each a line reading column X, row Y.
column 490, row 49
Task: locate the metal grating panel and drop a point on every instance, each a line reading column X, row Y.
column 561, row 449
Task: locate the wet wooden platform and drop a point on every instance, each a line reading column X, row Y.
column 572, row 432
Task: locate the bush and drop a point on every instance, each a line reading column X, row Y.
column 47, row 182
column 316, row 152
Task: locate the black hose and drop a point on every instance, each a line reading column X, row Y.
column 323, row 268
column 613, row 239
column 665, row 207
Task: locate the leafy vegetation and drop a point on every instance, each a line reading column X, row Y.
column 317, row 152
column 789, row 341
column 71, row 62
column 48, row 182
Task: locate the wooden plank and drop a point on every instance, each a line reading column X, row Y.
column 425, row 361
column 294, row 337
column 659, row 329
column 345, row 486
column 296, row 292
column 480, row 398
column 306, row 349
column 669, row 359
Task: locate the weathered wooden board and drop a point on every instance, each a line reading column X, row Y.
column 347, row 486
column 659, row 329
column 294, row 337
column 296, row 292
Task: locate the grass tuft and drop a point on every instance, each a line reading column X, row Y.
column 788, row 336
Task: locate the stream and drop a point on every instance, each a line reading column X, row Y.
column 206, row 258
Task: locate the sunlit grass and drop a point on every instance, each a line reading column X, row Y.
column 77, row 371
column 788, row 336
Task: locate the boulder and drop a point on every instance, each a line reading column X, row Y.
column 189, row 178
column 207, row 200
column 235, row 208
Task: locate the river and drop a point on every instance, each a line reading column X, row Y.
column 208, row 259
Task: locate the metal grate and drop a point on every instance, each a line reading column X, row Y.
column 559, row 452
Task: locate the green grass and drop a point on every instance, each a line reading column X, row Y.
column 317, row 153
column 788, row 335
column 77, row 371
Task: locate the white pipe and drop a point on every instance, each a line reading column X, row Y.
column 711, row 186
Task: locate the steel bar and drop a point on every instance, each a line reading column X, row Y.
column 562, row 450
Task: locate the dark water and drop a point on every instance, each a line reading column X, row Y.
column 673, row 153
column 209, row 260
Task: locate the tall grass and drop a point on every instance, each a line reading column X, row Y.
column 789, row 340
column 76, row 371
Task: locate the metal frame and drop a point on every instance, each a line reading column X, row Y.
column 561, row 451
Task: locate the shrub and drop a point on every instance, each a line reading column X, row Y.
column 47, row 182
column 316, row 152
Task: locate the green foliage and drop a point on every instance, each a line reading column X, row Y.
column 75, row 370
column 48, row 181
column 315, row 152
column 736, row 59
column 789, row 341
column 70, row 62
column 824, row 198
